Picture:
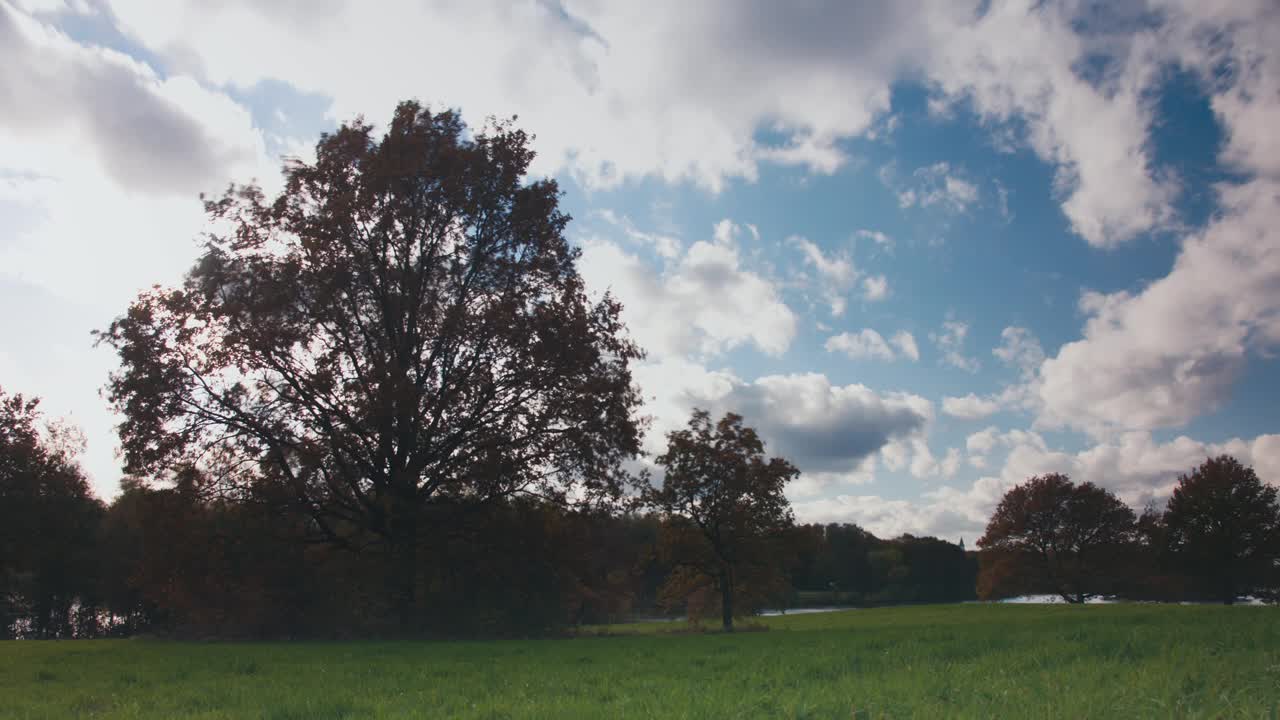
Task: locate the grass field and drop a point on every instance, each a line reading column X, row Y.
column 984, row 661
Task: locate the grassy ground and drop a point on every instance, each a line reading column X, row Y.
column 985, row 661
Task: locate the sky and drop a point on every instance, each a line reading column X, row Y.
column 927, row 248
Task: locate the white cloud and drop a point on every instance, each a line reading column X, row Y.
column 894, row 455
column 867, row 344
column 906, row 344
column 1020, row 61
column 982, row 441
column 923, row 464
column 1135, row 467
column 703, row 301
column 875, row 288
column 936, row 185
column 666, row 246
column 877, row 237
column 614, row 91
column 836, row 272
column 951, row 342
column 824, row 427
column 831, row 432
column 864, row 345
column 1019, row 349
column 144, row 133
column 950, row 464
column 1172, row 351
column 101, row 163
column 671, row 388
column 1209, row 37
column 970, row 407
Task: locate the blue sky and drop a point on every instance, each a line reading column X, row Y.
column 928, row 248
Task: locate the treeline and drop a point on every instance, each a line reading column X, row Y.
column 1217, row 539
column 384, row 403
column 189, row 562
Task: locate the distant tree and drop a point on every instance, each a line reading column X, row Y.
column 1222, row 528
column 724, row 504
column 49, row 522
column 401, row 334
column 1051, row 535
column 936, row 570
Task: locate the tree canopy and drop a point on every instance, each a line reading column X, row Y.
column 403, row 332
column 1222, row 528
column 1050, row 535
column 48, row 521
column 723, row 501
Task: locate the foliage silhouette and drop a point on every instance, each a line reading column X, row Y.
column 723, row 506
column 48, row 521
column 398, row 337
column 1051, row 535
column 1222, row 528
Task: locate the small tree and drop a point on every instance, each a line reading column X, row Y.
column 1222, row 528
column 724, row 502
column 1050, row 535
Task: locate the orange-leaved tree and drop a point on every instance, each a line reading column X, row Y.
column 1222, row 528
column 1049, row 535
column 723, row 506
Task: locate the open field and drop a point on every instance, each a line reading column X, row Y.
column 926, row 662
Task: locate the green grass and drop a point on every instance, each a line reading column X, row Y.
column 984, row 661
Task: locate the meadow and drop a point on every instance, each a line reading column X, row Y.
column 985, row 661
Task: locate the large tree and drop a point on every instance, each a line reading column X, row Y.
column 1222, row 528
column 401, row 334
column 1050, row 535
column 724, row 504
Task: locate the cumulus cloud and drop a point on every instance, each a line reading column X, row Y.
column 617, row 91
column 982, row 441
column 826, row 427
column 101, row 162
column 666, row 246
column 835, row 275
column 880, row 239
column 614, row 91
column 831, row 432
column 1136, row 467
column 1207, row 38
column 970, row 407
column 1172, row 351
column 147, row 133
column 950, row 341
column 875, row 288
column 1019, row 349
column 835, row 272
column 867, row 344
column 937, row 185
column 1020, row 60
column 1167, row 353
column 703, row 301
column 906, row 344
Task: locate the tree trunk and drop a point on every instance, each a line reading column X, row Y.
column 406, row 580
column 404, row 574
column 1228, row 591
column 726, row 599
